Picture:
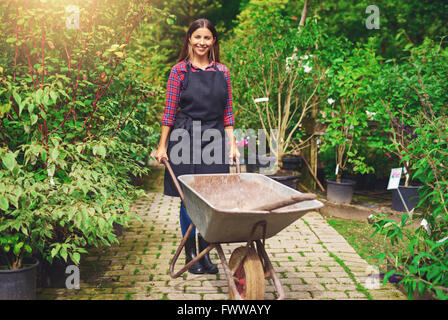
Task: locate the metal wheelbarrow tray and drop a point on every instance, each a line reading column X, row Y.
column 242, row 207
column 221, row 205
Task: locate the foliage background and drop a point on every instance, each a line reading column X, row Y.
column 80, row 109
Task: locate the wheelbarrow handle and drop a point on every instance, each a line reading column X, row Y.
column 173, row 177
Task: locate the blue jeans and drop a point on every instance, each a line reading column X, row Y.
column 185, row 221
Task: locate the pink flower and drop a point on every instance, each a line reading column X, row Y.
column 241, row 143
column 387, row 154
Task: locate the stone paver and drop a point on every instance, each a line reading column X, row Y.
column 312, row 260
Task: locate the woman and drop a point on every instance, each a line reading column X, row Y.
column 198, row 96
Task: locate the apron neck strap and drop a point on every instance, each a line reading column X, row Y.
column 189, row 64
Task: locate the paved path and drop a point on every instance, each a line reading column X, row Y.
column 311, row 258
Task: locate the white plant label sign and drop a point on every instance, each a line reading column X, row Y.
column 261, row 100
column 394, row 179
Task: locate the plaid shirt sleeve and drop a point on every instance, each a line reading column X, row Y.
column 228, row 110
column 173, row 90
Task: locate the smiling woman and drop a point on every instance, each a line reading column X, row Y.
column 202, row 45
column 202, row 41
column 198, row 91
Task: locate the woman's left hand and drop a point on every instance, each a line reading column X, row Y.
column 233, row 150
column 234, row 153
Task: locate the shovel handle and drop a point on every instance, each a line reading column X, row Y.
column 283, row 203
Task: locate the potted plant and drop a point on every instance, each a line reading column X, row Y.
column 409, row 90
column 420, row 86
column 277, row 75
column 342, row 137
column 346, row 119
column 402, row 133
column 18, row 268
column 71, row 132
column 403, row 102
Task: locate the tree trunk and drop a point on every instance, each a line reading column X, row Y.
column 310, row 153
column 304, row 10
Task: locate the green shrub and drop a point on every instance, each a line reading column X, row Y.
column 346, row 114
column 423, row 266
column 75, row 123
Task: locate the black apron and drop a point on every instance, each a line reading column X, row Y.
column 202, row 103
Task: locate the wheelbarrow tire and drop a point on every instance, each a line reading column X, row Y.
column 251, row 281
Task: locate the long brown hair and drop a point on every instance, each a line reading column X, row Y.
column 187, row 51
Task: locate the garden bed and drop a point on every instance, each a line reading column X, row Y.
column 362, row 208
column 358, row 235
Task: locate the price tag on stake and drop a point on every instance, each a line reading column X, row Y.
column 394, row 182
column 425, row 225
column 394, row 179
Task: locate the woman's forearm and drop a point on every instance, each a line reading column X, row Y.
column 164, row 136
column 230, row 134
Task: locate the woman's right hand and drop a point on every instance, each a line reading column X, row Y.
column 160, row 154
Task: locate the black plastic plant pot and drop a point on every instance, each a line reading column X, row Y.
column 251, row 163
column 410, row 197
column 288, row 180
column 52, row 275
column 251, row 168
column 340, row 192
column 264, row 161
column 19, row 284
column 291, row 162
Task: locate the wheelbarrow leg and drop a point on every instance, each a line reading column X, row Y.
column 228, row 272
column 267, row 263
column 178, row 251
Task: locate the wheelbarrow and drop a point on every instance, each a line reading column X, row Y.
column 240, row 207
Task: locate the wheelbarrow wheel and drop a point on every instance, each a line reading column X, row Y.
column 249, row 276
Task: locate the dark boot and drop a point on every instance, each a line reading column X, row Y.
column 190, row 254
column 207, row 265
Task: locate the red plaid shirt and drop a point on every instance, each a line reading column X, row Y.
column 174, row 88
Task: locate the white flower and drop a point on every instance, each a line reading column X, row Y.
column 51, row 177
column 330, row 101
column 370, row 115
column 307, row 68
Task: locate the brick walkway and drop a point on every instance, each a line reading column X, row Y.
column 311, row 258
